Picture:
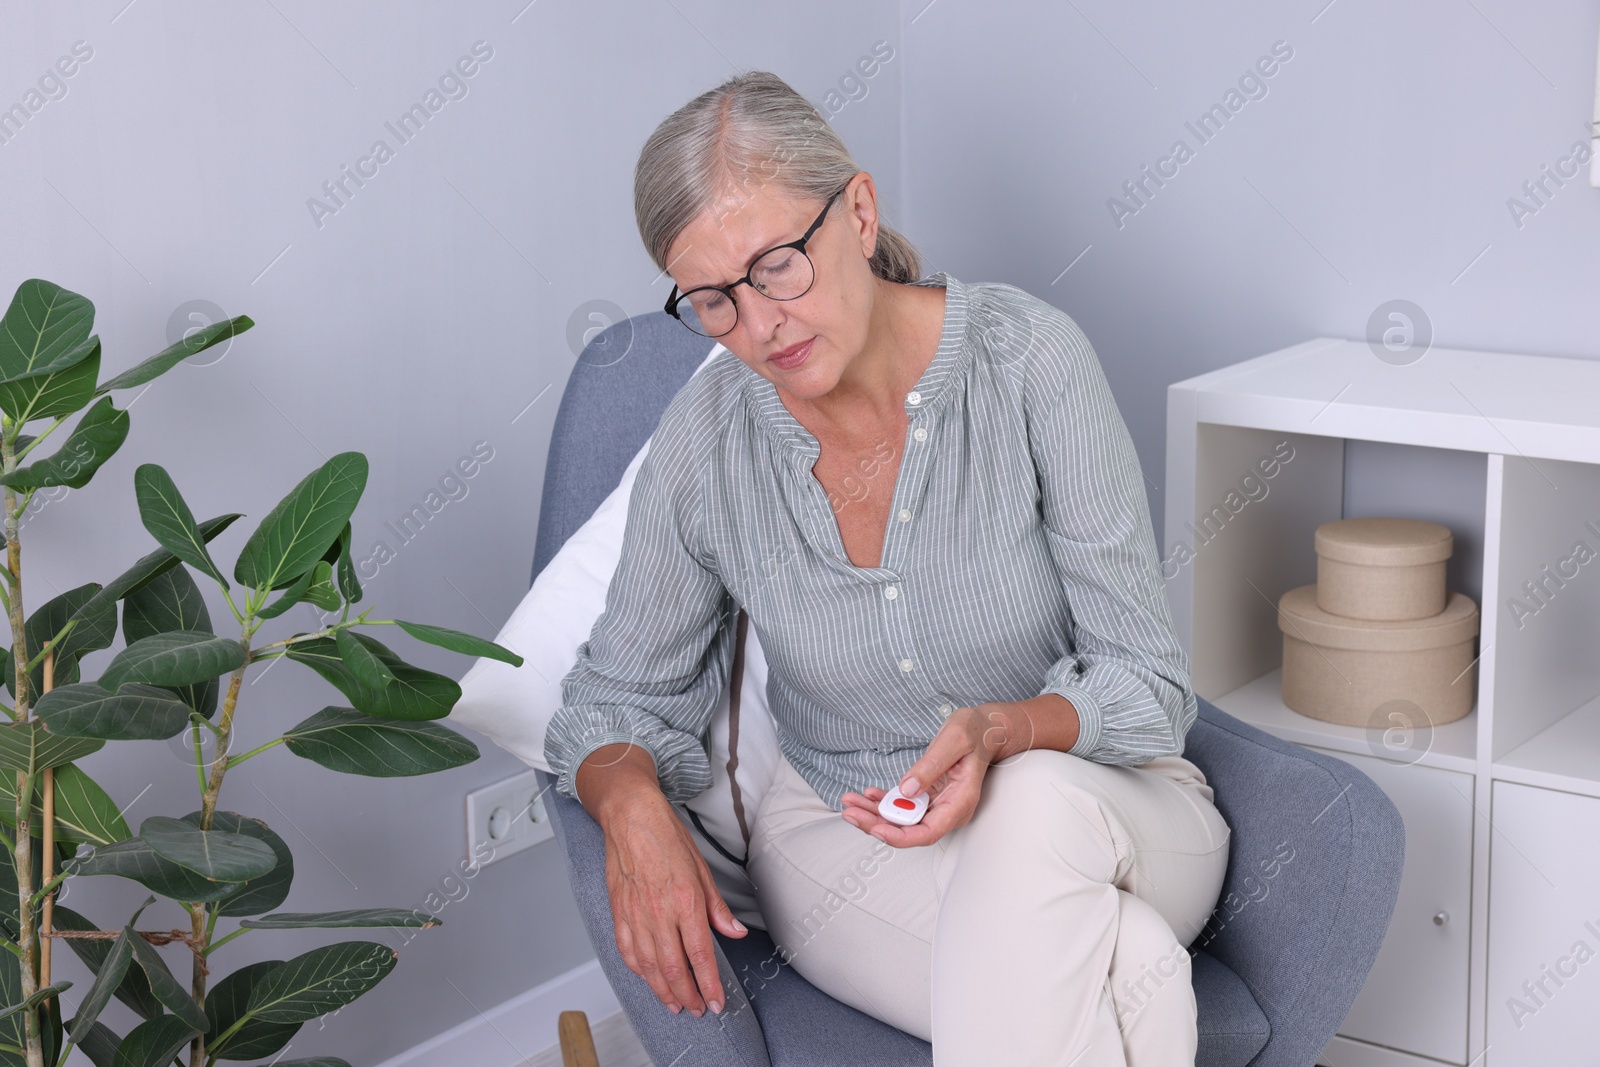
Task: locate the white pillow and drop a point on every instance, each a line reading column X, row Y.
column 512, row 706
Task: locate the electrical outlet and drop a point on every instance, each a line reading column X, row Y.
column 505, row 818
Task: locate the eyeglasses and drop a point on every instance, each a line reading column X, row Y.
column 781, row 273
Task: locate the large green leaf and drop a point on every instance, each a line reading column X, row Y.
column 38, row 995
column 349, row 585
column 227, row 1003
column 165, row 514
column 321, row 591
column 178, row 657
column 95, row 439
column 66, row 386
column 259, row 894
column 134, row 990
column 330, row 920
column 108, row 978
column 351, row 742
column 368, row 669
column 297, row 532
column 48, row 1014
column 42, row 325
column 22, row 742
column 167, row 989
column 414, row 694
column 134, row 858
column 11, row 1028
column 94, row 626
column 155, row 1042
column 213, row 854
column 172, row 355
column 84, row 813
column 294, row 594
column 456, row 641
column 135, row 712
column 100, row 1045
column 152, row 565
column 172, row 601
column 44, row 339
column 322, row 980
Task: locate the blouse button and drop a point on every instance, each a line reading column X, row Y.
column 945, row 710
column 920, row 433
column 913, row 398
column 905, row 514
column 892, row 592
column 907, row 666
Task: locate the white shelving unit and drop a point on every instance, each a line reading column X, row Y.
column 1502, row 807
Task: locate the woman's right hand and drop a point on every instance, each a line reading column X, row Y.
column 663, row 897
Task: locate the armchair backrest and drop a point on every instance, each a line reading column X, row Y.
column 622, row 382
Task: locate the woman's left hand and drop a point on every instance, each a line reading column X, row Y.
column 951, row 770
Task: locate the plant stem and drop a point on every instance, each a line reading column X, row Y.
column 37, row 441
column 234, row 761
column 208, row 807
column 197, row 925
column 26, row 935
column 287, row 641
column 219, row 942
column 44, row 890
column 22, row 854
column 237, row 614
column 219, row 765
column 199, row 761
column 60, row 636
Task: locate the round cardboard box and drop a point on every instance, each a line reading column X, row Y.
column 1382, row 569
column 1344, row 670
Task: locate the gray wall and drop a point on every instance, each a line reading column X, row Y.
column 431, row 312
column 437, row 307
column 1376, row 166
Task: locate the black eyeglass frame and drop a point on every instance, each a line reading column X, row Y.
column 674, row 297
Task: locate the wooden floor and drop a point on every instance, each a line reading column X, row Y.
column 613, row 1041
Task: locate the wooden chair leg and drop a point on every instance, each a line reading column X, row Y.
column 577, row 1043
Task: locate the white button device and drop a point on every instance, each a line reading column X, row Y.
column 902, row 810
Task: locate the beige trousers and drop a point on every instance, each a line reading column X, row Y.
column 1049, row 930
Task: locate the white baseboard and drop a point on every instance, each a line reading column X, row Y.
column 517, row 1030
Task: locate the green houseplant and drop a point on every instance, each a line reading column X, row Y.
column 174, row 675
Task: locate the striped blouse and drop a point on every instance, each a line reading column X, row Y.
column 1019, row 560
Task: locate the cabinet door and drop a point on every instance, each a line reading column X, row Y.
column 1415, row 999
column 1544, row 927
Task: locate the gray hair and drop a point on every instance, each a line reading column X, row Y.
column 753, row 128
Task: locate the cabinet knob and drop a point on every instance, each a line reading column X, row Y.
column 1441, row 918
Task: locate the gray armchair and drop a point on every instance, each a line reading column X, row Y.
column 1314, row 871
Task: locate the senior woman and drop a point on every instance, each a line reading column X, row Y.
column 921, row 494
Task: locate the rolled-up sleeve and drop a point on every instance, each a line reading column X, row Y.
column 658, row 657
column 1127, row 676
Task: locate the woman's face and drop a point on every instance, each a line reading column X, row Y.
column 720, row 244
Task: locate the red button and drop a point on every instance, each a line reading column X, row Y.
column 902, row 802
